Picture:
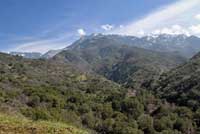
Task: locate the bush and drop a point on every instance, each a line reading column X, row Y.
column 164, row 123
column 184, row 125
column 132, row 107
column 145, row 123
column 89, row 120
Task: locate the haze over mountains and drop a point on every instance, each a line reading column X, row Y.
column 29, row 55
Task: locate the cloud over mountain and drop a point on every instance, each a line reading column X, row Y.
column 177, row 18
column 107, row 27
column 81, row 32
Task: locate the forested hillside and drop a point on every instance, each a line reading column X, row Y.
column 125, row 64
column 55, row 91
column 181, row 85
column 99, row 67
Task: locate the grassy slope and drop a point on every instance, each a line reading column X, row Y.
column 17, row 125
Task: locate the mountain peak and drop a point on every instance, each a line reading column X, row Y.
column 166, row 36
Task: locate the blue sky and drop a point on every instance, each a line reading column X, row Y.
column 41, row 25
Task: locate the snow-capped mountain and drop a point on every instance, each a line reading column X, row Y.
column 183, row 45
column 186, row 46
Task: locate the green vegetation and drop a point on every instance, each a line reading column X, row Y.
column 118, row 60
column 20, row 125
column 181, row 85
column 57, row 90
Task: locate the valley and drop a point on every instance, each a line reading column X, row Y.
column 104, row 85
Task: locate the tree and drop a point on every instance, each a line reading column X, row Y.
column 89, row 120
column 132, row 107
column 171, row 132
column 184, row 125
column 107, row 111
column 108, row 125
column 164, row 123
column 197, row 117
column 145, row 123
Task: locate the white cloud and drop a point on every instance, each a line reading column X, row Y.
column 195, row 29
column 141, row 33
column 81, row 32
column 163, row 19
column 156, row 32
column 121, row 26
column 166, row 31
column 197, row 16
column 39, row 46
column 43, row 45
column 173, row 30
column 107, row 27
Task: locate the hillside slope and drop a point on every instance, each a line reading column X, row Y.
column 54, row 91
column 181, row 85
column 117, row 61
column 19, row 125
column 49, row 90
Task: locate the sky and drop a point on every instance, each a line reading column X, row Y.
column 42, row 25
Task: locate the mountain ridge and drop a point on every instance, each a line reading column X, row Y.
column 104, row 54
column 186, row 46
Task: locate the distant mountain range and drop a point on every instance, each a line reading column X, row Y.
column 29, row 55
column 186, row 46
